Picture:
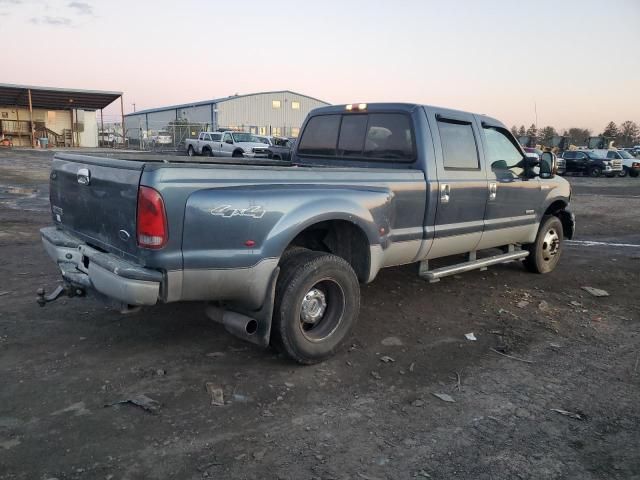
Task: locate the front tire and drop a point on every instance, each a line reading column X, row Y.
column 634, row 173
column 544, row 253
column 316, row 306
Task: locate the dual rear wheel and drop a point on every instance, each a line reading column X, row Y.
column 316, row 306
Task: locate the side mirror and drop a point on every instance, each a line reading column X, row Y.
column 548, row 165
column 499, row 165
column 230, row 142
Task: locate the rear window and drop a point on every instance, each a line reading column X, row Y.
column 383, row 136
column 216, row 137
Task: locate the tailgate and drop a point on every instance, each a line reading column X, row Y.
column 96, row 199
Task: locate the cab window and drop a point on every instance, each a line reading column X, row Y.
column 227, row 137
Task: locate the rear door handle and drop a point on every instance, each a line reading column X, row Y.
column 445, row 192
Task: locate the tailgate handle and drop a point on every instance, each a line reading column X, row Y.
column 84, row 176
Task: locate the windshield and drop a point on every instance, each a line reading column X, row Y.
column 244, row 137
column 596, row 155
column 625, row 154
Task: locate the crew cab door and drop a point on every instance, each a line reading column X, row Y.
column 462, row 183
column 580, row 162
column 512, row 198
column 226, row 148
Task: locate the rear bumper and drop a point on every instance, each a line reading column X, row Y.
column 113, row 277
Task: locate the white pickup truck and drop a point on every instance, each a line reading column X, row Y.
column 226, row 144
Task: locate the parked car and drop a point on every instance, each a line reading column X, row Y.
column 279, row 253
column 588, row 162
column 532, row 152
column 226, row 144
column 161, row 139
column 630, row 164
column 280, row 148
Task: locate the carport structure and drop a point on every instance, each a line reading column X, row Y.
column 48, row 99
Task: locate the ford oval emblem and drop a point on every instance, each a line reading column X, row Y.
column 124, row 235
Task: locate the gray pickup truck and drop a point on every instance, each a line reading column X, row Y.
column 279, row 252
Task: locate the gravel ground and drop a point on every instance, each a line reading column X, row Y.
column 562, row 404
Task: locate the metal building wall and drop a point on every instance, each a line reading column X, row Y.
column 257, row 111
column 254, row 112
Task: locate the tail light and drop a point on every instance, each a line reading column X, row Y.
column 151, row 227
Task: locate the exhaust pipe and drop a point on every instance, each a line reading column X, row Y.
column 237, row 324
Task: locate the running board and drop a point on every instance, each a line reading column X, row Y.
column 482, row 264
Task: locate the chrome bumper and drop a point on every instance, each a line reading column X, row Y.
column 113, row 277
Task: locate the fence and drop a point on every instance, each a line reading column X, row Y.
column 171, row 136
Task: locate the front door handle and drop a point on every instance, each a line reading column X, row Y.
column 493, row 191
column 445, row 192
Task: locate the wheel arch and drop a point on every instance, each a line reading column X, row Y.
column 558, row 208
column 340, row 236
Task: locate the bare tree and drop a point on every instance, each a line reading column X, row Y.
column 611, row 130
column 546, row 134
column 628, row 134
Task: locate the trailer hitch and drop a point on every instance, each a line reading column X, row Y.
column 66, row 289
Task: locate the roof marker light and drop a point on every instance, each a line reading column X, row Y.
column 362, row 106
column 349, row 107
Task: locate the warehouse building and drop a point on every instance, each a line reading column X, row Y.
column 278, row 113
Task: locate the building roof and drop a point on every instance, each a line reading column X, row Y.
column 218, row 100
column 55, row 98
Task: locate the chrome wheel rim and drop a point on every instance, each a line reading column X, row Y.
column 550, row 245
column 321, row 310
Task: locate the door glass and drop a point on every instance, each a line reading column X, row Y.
column 227, row 136
column 503, row 156
column 459, row 148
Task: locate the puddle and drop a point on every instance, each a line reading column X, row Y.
column 25, row 198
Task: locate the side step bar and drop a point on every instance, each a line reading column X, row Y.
column 436, row 274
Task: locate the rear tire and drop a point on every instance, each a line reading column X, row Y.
column 595, row 172
column 544, row 253
column 190, row 151
column 316, row 306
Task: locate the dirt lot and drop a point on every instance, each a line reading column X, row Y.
column 355, row 416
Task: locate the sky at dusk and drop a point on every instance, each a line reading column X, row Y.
column 578, row 61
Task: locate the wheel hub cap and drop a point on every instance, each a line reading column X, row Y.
column 314, row 304
column 550, row 245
